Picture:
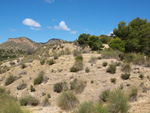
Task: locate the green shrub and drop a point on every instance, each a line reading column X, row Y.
column 39, row 79
column 67, row 100
column 51, row 62
column 29, row 100
column 77, row 66
column 113, row 80
column 32, row 89
column 48, row 95
column 118, row 102
column 126, row 68
column 79, row 58
column 9, row 104
column 87, row 70
column 89, row 107
column 58, row 87
column 105, row 95
column 10, row 80
column 42, row 61
column 111, row 69
column 105, row 64
column 74, row 69
column 117, row 44
column 77, row 85
column 141, row 76
column 125, row 76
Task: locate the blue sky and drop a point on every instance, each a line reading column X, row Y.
column 41, row 20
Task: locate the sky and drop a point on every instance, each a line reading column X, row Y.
column 41, row 20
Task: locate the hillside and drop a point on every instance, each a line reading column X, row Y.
column 95, row 81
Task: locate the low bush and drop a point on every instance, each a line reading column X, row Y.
column 67, row 100
column 51, row 62
column 126, row 67
column 79, row 58
column 39, row 79
column 42, row 61
column 113, row 80
column 105, row 64
column 77, row 85
column 87, row 70
column 29, row 100
column 58, row 87
column 10, row 80
column 105, row 95
column 125, row 76
column 32, row 89
column 9, row 104
column 77, row 66
column 22, row 86
column 89, row 107
column 141, row 76
column 23, row 66
column 118, row 102
column 112, row 68
column 133, row 94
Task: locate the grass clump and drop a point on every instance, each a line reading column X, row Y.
column 29, row 100
column 109, row 54
column 39, row 79
column 79, row 58
column 22, row 86
column 125, row 76
column 45, row 101
column 51, row 62
column 133, row 94
column 118, row 102
column 126, row 67
column 89, row 107
column 112, row 68
column 9, row 105
column 42, row 61
column 67, row 100
column 141, row 76
column 87, row 70
column 10, row 80
column 104, row 96
column 77, row 85
column 32, row 89
column 78, row 64
column 105, row 64
column 113, row 80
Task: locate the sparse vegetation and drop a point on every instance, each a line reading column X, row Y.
column 104, row 64
column 126, row 67
column 77, row 85
column 23, row 66
column 109, row 54
column 29, row 100
column 87, row 70
column 141, row 76
column 10, row 80
column 42, row 61
column 118, row 102
column 133, row 94
column 22, row 86
column 113, row 80
column 125, row 76
column 51, row 62
column 67, row 100
column 112, row 68
column 105, row 95
column 32, row 89
column 39, row 79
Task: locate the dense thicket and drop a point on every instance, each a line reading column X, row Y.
column 136, row 35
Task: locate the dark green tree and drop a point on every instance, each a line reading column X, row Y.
column 83, row 39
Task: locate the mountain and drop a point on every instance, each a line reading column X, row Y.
column 55, row 41
column 21, row 43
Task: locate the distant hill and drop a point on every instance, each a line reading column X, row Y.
column 55, row 41
column 23, row 43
